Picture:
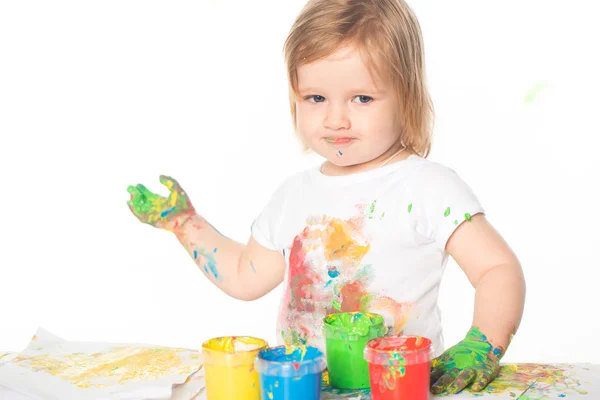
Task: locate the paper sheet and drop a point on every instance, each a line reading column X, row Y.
column 51, row 368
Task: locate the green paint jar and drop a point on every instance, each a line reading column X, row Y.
column 346, row 335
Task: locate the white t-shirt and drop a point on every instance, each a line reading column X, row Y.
column 371, row 241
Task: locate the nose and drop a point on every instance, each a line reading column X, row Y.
column 336, row 118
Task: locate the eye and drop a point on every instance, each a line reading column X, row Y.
column 315, row 96
column 364, row 99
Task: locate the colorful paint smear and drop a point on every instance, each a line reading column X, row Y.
column 327, row 275
column 473, row 360
column 157, row 210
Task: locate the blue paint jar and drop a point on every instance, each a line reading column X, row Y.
column 292, row 376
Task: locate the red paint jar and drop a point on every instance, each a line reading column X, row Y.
column 399, row 367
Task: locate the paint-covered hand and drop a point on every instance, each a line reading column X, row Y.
column 162, row 212
column 474, row 360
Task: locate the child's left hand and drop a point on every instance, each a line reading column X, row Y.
column 473, row 360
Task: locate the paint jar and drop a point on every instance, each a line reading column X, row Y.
column 287, row 374
column 229, row 367
column 346, row 335
column 399, row 367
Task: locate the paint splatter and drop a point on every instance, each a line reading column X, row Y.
column 447, row 212
column 252, row 265
column 340, row 153
column 534, row 92
column 410, row 207
column 327, row 274
column 370, row 213
column 467, row 217
column 207, row 262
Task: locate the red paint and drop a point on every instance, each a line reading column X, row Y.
column 301, row 278
column 296, row 365
column 353, row 294
column 414, row 383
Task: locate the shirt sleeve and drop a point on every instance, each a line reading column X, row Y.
column 265, row 227
column 442, row 202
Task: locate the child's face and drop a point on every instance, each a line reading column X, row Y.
column 345, row 114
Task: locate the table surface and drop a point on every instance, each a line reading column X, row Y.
column 516, row 381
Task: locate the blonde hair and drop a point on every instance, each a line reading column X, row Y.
column 381, row 30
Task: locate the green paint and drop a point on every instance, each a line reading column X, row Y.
column 455, row 222
column 372, row 209
column 346, row 335
column 474, row 360
column 468, row 217
column 533, row 92
column 410, row 207
column 447, row 212
column 157, row 210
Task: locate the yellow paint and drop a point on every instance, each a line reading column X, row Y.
column 339, row 243
column 229, row 367
column 118, row 365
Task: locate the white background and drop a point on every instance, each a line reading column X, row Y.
column 95, row 96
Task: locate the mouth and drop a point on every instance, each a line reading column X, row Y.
column 339, row 141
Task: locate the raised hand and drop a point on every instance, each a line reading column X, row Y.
column 474, row 360
column 158, row 211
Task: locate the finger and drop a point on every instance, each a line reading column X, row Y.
column 437, row 372
column 483, row 379
column 170, row 183
column 442, row 383
column 464, row 379
column 132, row 190
column 144, row 191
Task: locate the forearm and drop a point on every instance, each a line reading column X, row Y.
column 217, row 256
column 499, row 303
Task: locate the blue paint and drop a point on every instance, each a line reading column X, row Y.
column 167, row 212
column 215, row 250
column 283, row 253
column 211, row 265
column 195, row 254
column 328, row 283
column 290, row 376
column 252, row 265
column 562, row 395
column 333, row 272
column 340, row 152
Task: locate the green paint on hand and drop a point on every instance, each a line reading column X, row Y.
column 157, row 210
column 474, row 360
column 447, row 212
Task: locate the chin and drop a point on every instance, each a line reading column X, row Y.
column 342, row 162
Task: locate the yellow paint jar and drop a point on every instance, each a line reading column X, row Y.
column 229, row 367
